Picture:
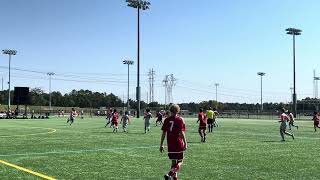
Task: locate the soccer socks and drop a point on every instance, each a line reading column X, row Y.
column 282, row 135
column 174, row 169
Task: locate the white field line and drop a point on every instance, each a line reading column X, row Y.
column 266, row 135
column 78, row 151
column 32, row 134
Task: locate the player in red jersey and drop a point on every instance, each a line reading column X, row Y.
column 114, row 120
column 316, row 120
column 108, row 118
column 283, row 126
column 174, row 128
column 202, row 118
column 159, row 117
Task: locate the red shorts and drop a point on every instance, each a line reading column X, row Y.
column 114, row 123
column 176, row 156
column 202, row 127
column 316, row 123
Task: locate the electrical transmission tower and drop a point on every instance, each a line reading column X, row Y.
column 151, row 75
column 168, row 82
column 315, row 84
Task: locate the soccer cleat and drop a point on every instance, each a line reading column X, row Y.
column 292, row 136
column 167, row 177
column 297, row 127
column 204, row 139
column 283, row 140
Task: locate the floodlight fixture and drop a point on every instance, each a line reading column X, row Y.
column 140, row 4
column 128, row 62
column 9, row 51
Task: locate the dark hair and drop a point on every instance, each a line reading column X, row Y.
column 315, row 112
column 200, row 109
column 126, row 112
column 115, row 110
column 147, row 110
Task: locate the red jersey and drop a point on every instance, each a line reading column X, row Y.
column 115, row 117
column 203, row 119
column 173, row 126
column 284, row 117
column 316, row 118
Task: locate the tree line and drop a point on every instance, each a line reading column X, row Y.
column 89, row 99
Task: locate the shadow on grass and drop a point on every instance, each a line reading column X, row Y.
column 193, row 142
column 274, row 141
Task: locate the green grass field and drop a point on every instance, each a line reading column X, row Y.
column 238, row 149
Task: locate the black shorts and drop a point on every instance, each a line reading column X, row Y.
column 210, row 121
column 176, row 156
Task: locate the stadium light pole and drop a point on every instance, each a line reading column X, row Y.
column 316, row 79
column 50, row 74
column 143, row 5
column 291, row 95
column 261, row 74
column 9, row 52
column 294, row 32
column 128, row 62
column 216, row 84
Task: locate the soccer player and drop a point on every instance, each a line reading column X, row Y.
column 283, row 126
column 291, row 120
column 125, row 120
column 108, row 118
column 210, row 116
column 114, row 120
column 202, row 125
column 81, row 114
column 174, row 128
column 72, row 117
column 159, row 117
column 147, row 117
column 316, row 120
column 215, row 115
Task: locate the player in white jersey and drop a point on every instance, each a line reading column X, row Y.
column 291, row 120
column 147, row 118
column 72, row 117
column 125, row 120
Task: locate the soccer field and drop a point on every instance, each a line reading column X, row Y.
column 237, row 149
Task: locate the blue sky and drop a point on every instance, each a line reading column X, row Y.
column 200, row 42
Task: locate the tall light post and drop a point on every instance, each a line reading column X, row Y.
column 9, row 52
column 261, row 74
column 50, row 74
column 128, row 62
column 291, row 90
column 216, row 84
column 144, row 5
column 316, row 79
column 294, row 32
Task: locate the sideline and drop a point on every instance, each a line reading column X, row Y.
column 27, row 170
